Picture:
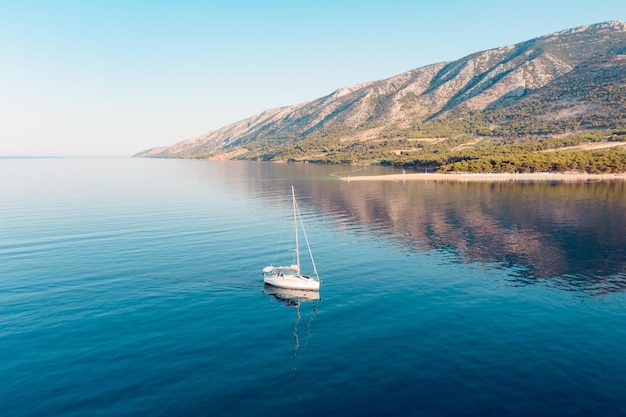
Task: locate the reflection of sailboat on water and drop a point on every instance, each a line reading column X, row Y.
column 290, row 276
column 294, row 298
column 290, row 296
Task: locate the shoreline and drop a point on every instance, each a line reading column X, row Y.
column 482, row 177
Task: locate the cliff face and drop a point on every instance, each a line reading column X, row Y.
column 498, row 78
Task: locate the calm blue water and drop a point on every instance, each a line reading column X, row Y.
column 132, row 287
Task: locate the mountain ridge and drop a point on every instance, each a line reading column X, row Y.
column 485, row 81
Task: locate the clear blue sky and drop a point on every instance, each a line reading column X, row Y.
column 111, row 78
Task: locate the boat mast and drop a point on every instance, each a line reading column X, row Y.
column 295, row 226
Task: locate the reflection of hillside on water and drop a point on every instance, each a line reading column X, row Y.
column 572, row 233
column 575, row 231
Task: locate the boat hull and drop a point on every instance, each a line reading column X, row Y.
column 293, row 282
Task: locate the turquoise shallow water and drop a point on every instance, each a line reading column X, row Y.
column 133, row 287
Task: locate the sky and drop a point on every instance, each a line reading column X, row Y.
column 112, row 78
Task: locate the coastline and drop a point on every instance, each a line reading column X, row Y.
column 481, row 177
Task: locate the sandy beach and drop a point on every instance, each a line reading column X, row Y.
column 467, row 177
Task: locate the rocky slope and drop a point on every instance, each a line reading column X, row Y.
column 501, row 78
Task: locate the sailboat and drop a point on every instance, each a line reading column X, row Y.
column 290, row 276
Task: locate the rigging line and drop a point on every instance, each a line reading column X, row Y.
column 307, row 242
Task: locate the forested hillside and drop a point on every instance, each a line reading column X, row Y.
column 554, row 103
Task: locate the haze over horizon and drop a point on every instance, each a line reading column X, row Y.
column 114, row 78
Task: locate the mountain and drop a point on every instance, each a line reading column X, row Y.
column 574, row 79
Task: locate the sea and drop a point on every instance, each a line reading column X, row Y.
column 133, row 287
